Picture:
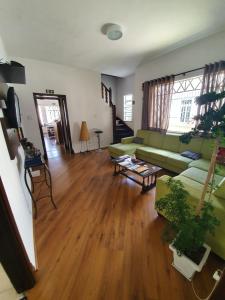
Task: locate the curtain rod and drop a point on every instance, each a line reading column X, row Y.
column 182, row 73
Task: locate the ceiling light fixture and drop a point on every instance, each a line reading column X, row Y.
column 112, row 31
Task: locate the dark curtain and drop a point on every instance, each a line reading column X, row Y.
column 157, row 96
column 213, row 81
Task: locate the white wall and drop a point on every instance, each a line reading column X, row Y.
column 11, row 173
column 83, row 91
column 125, row 86
column 195, row 55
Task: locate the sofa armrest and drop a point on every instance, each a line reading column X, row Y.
column 127, row 140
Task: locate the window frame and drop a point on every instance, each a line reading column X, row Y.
column 198, row 88
column 125, row 117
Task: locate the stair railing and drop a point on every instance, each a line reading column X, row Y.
column 107, row 97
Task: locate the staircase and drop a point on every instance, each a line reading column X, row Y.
column 120, row 128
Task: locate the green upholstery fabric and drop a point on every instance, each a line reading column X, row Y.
column 216, row 242
column 207, row 148
column 171, row 143
column 122, row 149
column 203, row 164
column 195, row 145
column 127, row 140
column 156, row 139
column 178, row 160
column 164, row 150
column 162, row 164
column 200, row 175
column 145, row 134
column 220, row 190
column 155, row 153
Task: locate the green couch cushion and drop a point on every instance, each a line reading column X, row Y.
column 220, row 190
column 203, row 164
column 195, row 145
column 155, row 153
column 178, row 160
column 122, row 149
column 127, row 140
column 171, row 142
column 200, row 175
column 207, row 148
column 156, row 139
column 145, row 134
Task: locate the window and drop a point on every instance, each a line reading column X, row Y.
column 183, row 107
column 128, row 108
column 52, row 113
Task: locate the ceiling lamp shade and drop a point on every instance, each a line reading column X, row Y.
column 114, row 32
column 84, row 133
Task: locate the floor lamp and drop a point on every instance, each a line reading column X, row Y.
column 84, row 135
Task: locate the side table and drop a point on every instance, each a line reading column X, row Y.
column 43, row 168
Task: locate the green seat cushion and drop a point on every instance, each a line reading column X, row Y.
column 195, row 145
column 171, row 143
column 122, row 149
column 207, row 148
column 203, row 164
column 158, row 154
column 178, row 160
column 220, row 190
column 145, row 134
column 156, row 139
column 200, row 175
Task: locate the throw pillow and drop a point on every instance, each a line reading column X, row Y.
column 191, row 155
column 138, row 140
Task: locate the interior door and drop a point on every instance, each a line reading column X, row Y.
column 65, row 124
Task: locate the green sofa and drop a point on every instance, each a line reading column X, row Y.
column 165, row 151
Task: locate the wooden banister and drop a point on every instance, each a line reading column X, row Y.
column 107, row 97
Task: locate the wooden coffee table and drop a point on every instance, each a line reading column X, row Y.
column 147, row 173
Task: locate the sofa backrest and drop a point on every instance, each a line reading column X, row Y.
column 145, row 134
column 195, row 145
column 207, row 148
column 171, row 142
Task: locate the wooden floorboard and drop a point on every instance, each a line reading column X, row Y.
column 104, row 240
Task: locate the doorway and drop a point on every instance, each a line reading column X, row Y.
column 54, row 125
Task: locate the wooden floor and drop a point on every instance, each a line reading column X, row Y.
column 103, row 242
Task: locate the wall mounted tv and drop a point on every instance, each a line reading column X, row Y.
column 11, row 123
column 12, row 112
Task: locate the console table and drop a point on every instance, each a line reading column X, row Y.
column 45, row 176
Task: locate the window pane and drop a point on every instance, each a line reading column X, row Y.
column 128, row 108
column 183, row 107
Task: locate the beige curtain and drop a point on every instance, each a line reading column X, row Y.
column 213, row 81
column 157, row 96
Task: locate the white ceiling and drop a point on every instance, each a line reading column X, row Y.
column 69, row 32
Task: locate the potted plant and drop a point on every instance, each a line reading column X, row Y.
column 189, row 225
column 186, row 231
column 210, row 124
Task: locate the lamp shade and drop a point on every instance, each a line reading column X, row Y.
column 84, row 133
